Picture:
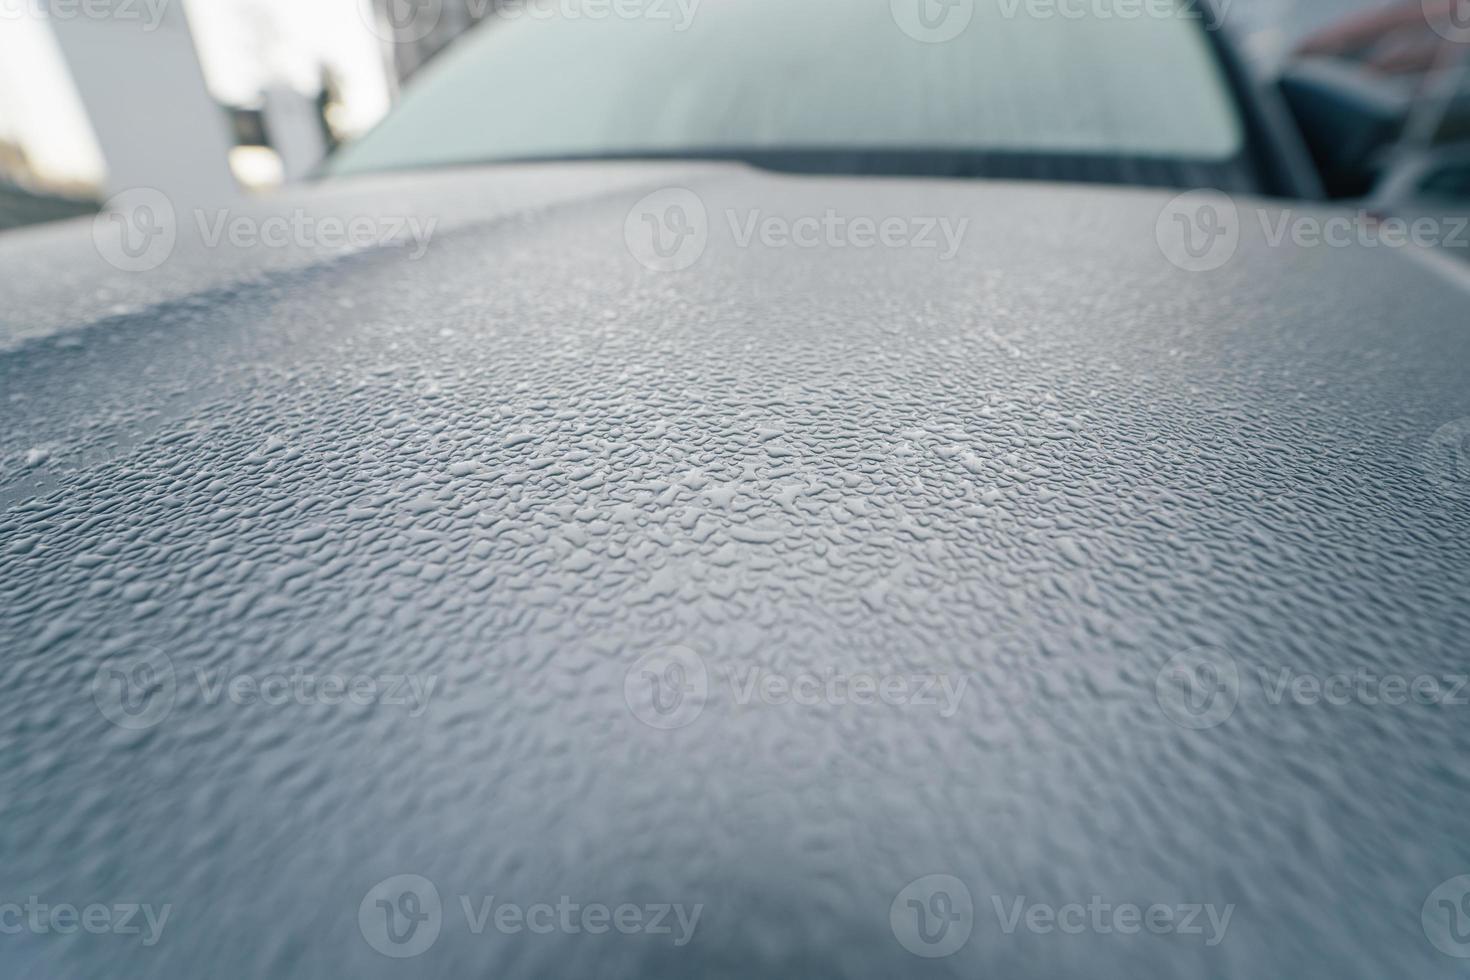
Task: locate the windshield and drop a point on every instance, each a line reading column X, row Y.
column 725, row 76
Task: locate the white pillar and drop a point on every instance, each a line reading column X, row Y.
column 138, row 75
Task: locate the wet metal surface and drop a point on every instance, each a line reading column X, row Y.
column 757, row 592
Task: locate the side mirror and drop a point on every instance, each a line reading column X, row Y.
column 1347, row 119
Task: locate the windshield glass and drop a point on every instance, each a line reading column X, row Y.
column 548, row 79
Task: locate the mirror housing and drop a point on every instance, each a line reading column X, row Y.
column 1347, row 119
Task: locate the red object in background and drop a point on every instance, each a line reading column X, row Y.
column 1398, row 40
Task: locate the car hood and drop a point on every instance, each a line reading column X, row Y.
column 594, row 523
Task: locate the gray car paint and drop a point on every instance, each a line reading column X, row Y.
column 524, row 464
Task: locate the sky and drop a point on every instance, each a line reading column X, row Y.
column 39, row 107
column 242, row 45
column 245, row 43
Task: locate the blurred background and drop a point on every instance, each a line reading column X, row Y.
column 204, row 99
column 200, row 98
